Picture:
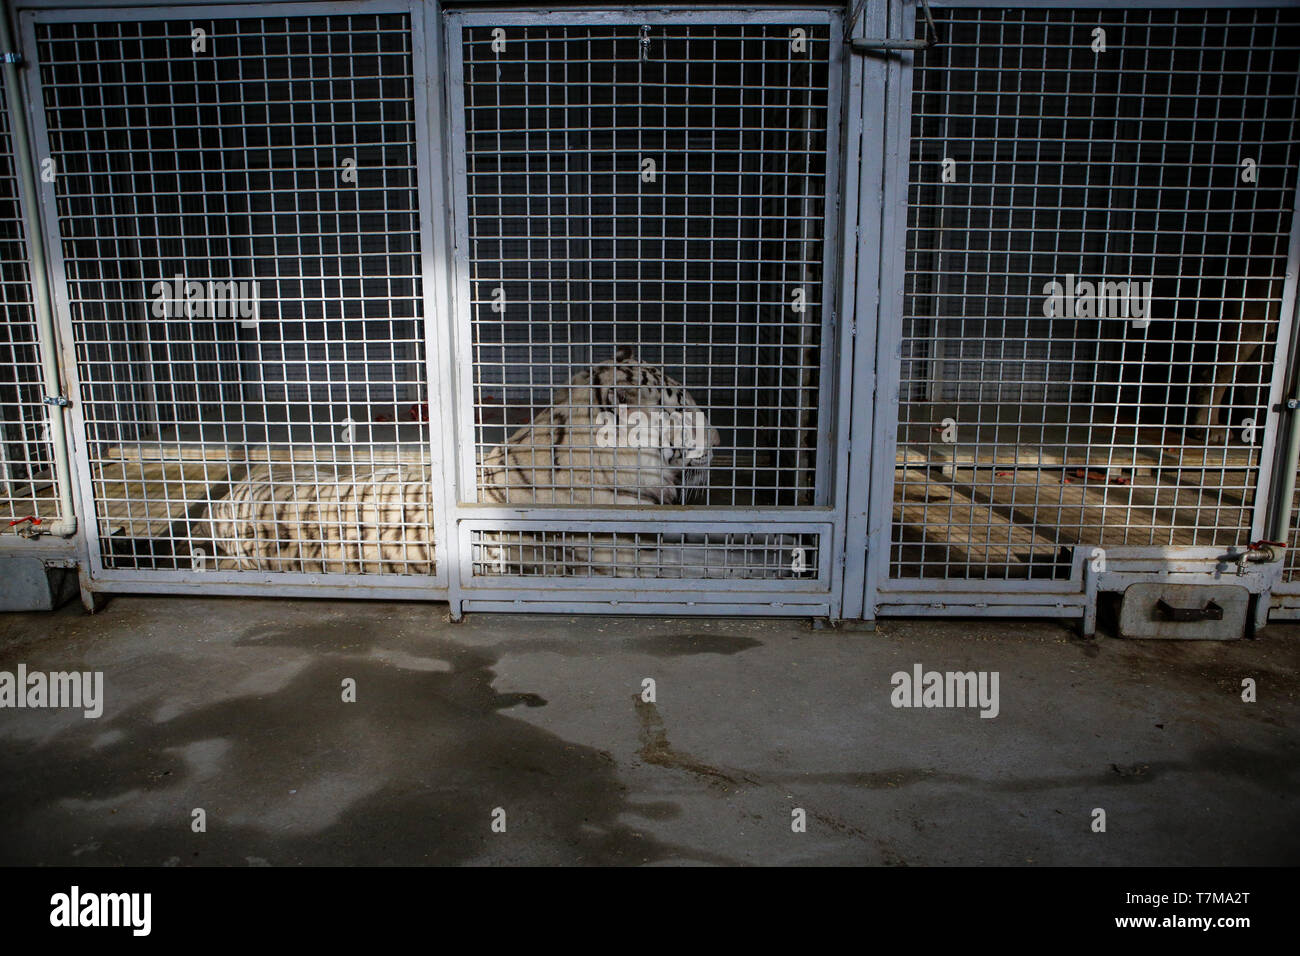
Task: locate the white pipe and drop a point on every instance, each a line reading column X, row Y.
column 67, row 521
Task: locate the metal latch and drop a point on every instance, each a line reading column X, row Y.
column 12, row 58
column 58, row 400
column 1211, row 612
column 872, row 44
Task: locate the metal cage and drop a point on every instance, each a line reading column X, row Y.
column 805, row 309
column 1100, row 264
column 646, row 224
column 239, row 226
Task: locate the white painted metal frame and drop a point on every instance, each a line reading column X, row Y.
column 821, row 596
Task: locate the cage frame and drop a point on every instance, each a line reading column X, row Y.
column 683, row 596
column 95, row 576
column 1076, row 595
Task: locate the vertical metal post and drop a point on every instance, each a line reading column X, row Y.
column 438, row 256
column 897, row 139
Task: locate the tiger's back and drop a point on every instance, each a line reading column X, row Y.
column 327, row 520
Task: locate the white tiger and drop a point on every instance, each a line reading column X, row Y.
column 581, row 450
column 319, row 519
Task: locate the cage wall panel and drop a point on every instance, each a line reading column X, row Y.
column 239, row 233
column 1030, row 421
column 29, row 494
column 660, row 188
column 739, row 556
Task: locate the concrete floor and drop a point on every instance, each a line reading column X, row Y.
column 234, row 706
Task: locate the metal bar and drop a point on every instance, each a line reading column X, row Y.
column 874, row 44
column 957, row 608
column 892, row 309
column 866, row 110
column 675, row 608
column 426, row 25
column 870, row 45
column 860, row 218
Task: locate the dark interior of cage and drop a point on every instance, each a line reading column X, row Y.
column 1032, row 421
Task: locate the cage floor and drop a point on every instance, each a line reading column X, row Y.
column 988, row 509
column 1003, row 506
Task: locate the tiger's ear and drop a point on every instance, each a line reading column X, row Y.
column 625, row 354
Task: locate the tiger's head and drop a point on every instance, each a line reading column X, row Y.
column 643, row 408
column 620, row 432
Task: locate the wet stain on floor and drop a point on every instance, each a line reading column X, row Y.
column 684, row 645
column 657, row 751
column 409, row 773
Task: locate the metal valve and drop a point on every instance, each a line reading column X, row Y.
column 1258, row 552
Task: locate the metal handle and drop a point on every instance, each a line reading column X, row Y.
column 1211, row 612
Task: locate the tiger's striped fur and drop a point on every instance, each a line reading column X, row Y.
column 318, row 519
column 377, row 520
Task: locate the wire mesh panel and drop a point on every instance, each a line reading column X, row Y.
column 645, row 224
column 645, row 554
column 1099, row 212
column 239, row 223
column 29, row 496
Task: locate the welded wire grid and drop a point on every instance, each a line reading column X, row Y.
column 661, row 188
column 1290, row 579
column 1027, row 428
column 646, row 554
column 277, row 154
column 28, row 491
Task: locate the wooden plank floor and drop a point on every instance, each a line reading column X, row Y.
column 142, row 499
column 1004, row 517
column 974, row 511
column 948, row 517
column 1111, row 483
